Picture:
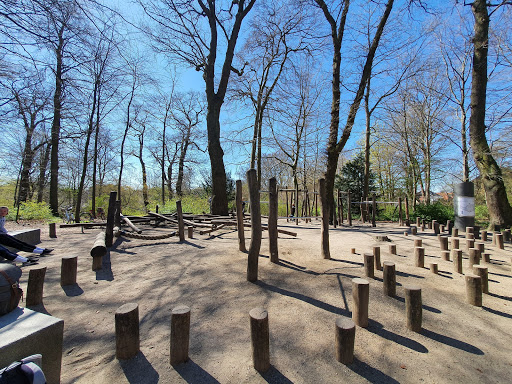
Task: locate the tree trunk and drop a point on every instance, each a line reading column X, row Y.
column 219, row 196
column 181, row 163
column 43, row 165
column 498, row 205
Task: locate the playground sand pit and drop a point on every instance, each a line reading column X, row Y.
column 303, row 294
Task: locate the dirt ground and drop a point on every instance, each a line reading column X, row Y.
column 303, row 294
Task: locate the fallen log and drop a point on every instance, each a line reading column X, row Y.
column 83, row 225
column 130, row 224
column 248, row 225
column 212, row 229
column 99, row 248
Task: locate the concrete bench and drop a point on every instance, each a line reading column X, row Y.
column 25, row 332
column 31, row 236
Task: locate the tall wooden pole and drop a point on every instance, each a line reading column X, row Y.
column 325, row 221
column 109, row 230
column 272, row 220
column 254, row 248
column 240, row 217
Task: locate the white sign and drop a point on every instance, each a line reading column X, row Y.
column 465, row 206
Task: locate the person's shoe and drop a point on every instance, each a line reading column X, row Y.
column 47, row 250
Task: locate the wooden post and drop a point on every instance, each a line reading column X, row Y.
column 374, row 209
column 474, row 289
column 407, row 217
column 419, row 257
column 445, row 255
column 341, row 207
column 127, row 331
column 326, row 254
column 482, row 271
column 470, row 231
column 457, row 260
column 474, row 257
column 470, row 236
column 506, row 235
column 181, row 224
column 349, row 209
column 418, row 221
column 499, row 241
column 353, row 251
column 434, row 268
column 296, row 205
column 400, row 218
column 260, row 338
column 190, row 232
column 117, row 217
column 68, row 270
column 486, row 257
column 389, row 279
column 455, row 232
column 287, row 205
column 240, row 216
column 180, row 334
column 470, row 243
column 360, row 299
column 109, row 229
column 418, row 243
column 443, row 243
column 414, row 230
column 376, row 255
column 35, row 287
column 455, row 243
column 369, row 261
column 340, row 211
column 481, row 248
column 413, row 307
column 345, row 338
column 254, row 248
column 392, row 249
column 483, row 235
column 272, row 220
column 52, row 230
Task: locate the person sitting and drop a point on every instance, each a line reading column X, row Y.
column 11, row 256
column 10, row 241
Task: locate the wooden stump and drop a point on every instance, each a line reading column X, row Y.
column 68, row 270
column 180, row 334
column 97, row 263
column 435, row 226
column 474, row 290
column 254, row 248
column 272, row 221
column 127, row 331
column 482, row 271
column 419, row 257
column 413, row 307
column 376, row 254
column 389, row 279
column 443, row 243
column 418, row 243
column 455, row 243
column 434, row 268
column 35, row 287
column 455, row 232
column 190, row 231
column 52, row 229
column 423, row 227
column 418, row 222
column 443, row 228
column 486, row 257
column 483, row 235
column 506, row 235
column 474, row 257
column 260, row 339
column 481, row 248
column 352, row 251
column 499, row 241
column 369, row 262
column 392, row 249
column 360, row 299
column 470, row 243
column 414, row 230
column 457, row 260
column 470, row 236
column 470, row 231
column 445, row 255
column 345, row 338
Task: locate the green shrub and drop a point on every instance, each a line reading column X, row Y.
column 438, row 211
column 481, row 215
column 32, row 211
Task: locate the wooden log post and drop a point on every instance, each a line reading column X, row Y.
column 109, row 230
column 360, row 299
column 127, row 331
column 483, row 235
column 486, row 257
column 345, row 339
column 240, row 216
column 435, row 226
column 457, row 260
column 443, row 243
column 254, row 248
column 413, row 307
column 418, row 221
column 442, row 228
column 376, row 255
column 117, row 216
column 190, row 231
column 272, row 220
column 369, row 262
column 389, row 279
column 470, row 231
column 349, row 209
column 418, row 243
column 98, row 250
column 434, row 268
column 499, row 241
column 52, row 230
column 429, row 225
column 68, row 270
column 181, row 224
column 392, row 249
column 400, row 213
column 326, row 254
column 506, row 235
column 341, row 207
column 407, row 217
column 260, row 339
column 414, row 230
column 481, row 248
column 419, row 257
column 455, row 243
column 483, row 272
column 422, row 227
column 353, row 251
column 470, row 243
column 445, row 255
column 35, row 287
column 180, row 334
column 474, row 289
column 374, row 210
column 470, row 236
column 455, row 232
column 474, row 257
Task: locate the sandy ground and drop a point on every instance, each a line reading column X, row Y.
column 303, row 294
